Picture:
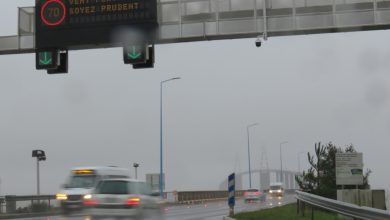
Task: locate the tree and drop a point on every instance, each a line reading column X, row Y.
column 320, row 178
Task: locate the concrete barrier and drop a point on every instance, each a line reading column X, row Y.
column 188, row 197
column 369, row 198
column 379, row 199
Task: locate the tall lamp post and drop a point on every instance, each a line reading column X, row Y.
column 249, row 155
column 161, row 133
column 281, row 161
column 299, row 161
column 40, row 155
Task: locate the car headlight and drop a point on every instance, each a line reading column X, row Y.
column 279, row 191
column 270, row 191
column 61, row 196
column 87, row 196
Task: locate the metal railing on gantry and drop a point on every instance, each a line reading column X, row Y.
column 198, row 20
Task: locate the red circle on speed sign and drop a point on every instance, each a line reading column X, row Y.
column 53, row 12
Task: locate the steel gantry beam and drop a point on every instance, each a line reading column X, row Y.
column 199, row 20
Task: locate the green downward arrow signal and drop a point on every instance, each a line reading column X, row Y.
column 46, row 59
column 134, row 54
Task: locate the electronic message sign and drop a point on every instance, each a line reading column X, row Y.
column 82, row 24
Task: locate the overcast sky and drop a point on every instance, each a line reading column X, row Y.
column 302, row 89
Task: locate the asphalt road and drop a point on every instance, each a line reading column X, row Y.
column 207, row 211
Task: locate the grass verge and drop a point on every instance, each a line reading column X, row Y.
column 287, row 212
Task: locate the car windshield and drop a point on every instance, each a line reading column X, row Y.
column 275, row 187
column 87, row 181
column 112, row 187
column 252, row 190
column 123, row 187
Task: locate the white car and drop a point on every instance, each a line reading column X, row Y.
column 254, row 195
column 123, row 198
column 81, row 182
column 276, row 190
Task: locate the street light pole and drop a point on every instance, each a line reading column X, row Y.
column 299, row 161
column 249, row 155
column 38, row 186
column 41, row 156
column 161, row 134
column 281, row 161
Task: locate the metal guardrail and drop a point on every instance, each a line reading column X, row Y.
column 343, row 208
column 191, row 197
column 2, row 204
column 184, row 197
column 30, row 198
column 204, row 195
column 28, row 203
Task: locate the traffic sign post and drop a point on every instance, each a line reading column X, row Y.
column 232, row 193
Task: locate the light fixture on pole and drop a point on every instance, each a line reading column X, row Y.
column 136, row 165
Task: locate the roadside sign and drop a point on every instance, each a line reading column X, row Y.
column 232, row 190
column 349, row 168
column 154, row 181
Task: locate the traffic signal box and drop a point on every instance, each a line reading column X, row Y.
column 52, row 60
column 140, row 56
column 135, row 54
column 59, row 27
column 47, row 59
